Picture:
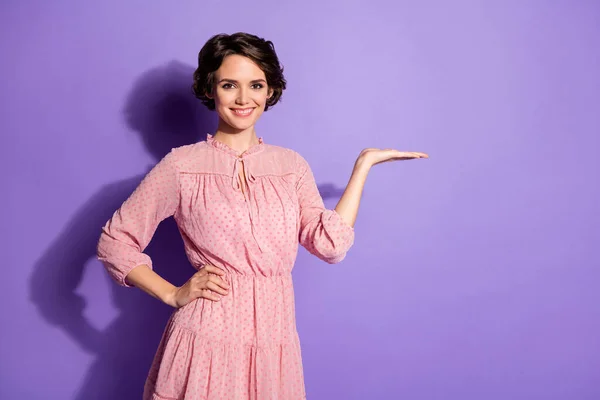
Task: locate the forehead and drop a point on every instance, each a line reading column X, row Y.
column 239, row 68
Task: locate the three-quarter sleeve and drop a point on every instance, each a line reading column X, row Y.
column 128, row 232
column 323, row 232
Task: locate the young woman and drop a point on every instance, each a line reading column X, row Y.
column 242, row 207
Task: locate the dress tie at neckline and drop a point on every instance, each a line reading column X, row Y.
column 246, row 174
column 237, row 183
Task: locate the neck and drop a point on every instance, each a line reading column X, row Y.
column 239, row 140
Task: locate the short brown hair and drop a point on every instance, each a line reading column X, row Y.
column 260, row 51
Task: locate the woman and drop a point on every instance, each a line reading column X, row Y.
column 242, row 207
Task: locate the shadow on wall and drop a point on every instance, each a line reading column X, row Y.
column 163, row 111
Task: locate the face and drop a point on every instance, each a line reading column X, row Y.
column 240, row 92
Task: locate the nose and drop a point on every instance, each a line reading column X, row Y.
column 242, row 96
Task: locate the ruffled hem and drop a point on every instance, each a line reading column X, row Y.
column 188, row 366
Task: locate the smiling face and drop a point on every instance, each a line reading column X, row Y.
column 240, row 93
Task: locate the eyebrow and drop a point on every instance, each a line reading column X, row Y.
column 234, row 81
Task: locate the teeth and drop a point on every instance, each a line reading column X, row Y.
column 243, row 112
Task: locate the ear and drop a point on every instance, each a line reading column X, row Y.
column 209, row 95
column 270, row 93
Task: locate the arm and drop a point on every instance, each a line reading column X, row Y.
column 348, row 205
column 143, row 277
column 329, row 234
column 322, row 232
column 130, row 229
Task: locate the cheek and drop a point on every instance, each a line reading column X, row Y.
column 261, row 99
column 222, row 107
column 222, row 99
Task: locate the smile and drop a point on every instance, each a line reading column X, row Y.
column 242, row 112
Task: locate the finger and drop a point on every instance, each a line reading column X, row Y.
column 210, row 295
column 219, row 281
column 412, row 154
column 216, row 288
column 213, row 270
column 404, row 154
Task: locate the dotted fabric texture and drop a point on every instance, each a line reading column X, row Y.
column 246, row 214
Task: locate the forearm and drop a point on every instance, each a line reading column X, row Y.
column 144, row 278
column 349, row 203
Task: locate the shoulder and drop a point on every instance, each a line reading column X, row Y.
column 286, row 156
column 277, row 160
column 181, row 156
column 189, row 150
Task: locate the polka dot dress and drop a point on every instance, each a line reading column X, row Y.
column 245, row 213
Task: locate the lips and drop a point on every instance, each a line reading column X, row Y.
column 242, row 112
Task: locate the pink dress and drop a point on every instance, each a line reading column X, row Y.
column 245, row 346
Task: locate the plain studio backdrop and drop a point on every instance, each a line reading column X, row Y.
column 474, row 275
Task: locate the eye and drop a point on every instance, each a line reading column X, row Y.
column 257, row 86
column 227, row 86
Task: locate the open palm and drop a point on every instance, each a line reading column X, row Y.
column 376, row 156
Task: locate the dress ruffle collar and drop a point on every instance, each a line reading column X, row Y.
column 223, row 147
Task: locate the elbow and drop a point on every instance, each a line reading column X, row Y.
column 334, row 258
column 105, row 252
column 118, row 259
column 328, row 241
column 104, row 244
column 332, row 255
column 328, row 253
column 118, row 269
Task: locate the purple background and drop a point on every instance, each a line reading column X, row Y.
column 474, row 274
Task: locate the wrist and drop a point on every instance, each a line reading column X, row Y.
column 169, row 298
column 362, row 165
